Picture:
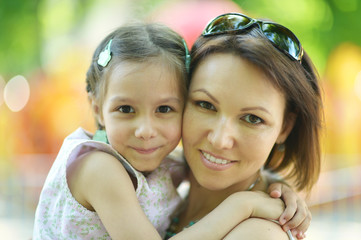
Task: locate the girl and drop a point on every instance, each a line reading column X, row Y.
column 120, row 183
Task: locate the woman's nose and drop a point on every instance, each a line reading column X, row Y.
column 145, row 129
column 221, row 135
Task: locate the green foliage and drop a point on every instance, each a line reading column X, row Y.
column 25, row 24
column 321, row 25
column 20, row 40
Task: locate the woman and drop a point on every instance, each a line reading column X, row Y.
column 254, row 102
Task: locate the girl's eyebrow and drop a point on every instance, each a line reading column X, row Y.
column 120, row 99
column 125, row 99
column 207, row 93
column 170, row 99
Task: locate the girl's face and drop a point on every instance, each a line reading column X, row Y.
column 142, row 112
column 232, row 119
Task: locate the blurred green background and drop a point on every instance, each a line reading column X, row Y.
column 45, row 49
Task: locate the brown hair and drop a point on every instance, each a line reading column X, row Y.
column 299, row 84
column 138, row 42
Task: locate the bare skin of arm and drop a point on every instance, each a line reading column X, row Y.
column 257, row 229
column 233, row 210
column 100, row 183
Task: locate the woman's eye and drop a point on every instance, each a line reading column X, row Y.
column 252, row 119
column 126, row 109
column 164, row 109
column 206, row 105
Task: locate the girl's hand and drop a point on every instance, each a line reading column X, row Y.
column 296, row 216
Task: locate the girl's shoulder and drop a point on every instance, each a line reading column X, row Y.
column 93, row 172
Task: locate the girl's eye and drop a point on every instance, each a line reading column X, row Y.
column 164, row 109
column 253, row 119
column 206, row 105
column 126, row 109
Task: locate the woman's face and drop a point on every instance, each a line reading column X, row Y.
column 232, row 119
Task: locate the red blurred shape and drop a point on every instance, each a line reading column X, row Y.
column 189, row 17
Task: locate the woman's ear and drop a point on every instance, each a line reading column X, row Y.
column 288, row 124
column 96, row 109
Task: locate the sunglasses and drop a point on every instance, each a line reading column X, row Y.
column 281, row 37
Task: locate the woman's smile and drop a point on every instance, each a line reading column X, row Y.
column 215, row 163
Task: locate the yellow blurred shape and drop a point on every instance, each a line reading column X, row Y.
column 342, row 105
column 358, row 85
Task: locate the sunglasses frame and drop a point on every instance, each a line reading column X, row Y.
column 259, row 23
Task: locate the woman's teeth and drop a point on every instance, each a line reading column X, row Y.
column 212, row 159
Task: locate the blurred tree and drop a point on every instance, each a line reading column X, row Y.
column 22, row 31
column 20, row 39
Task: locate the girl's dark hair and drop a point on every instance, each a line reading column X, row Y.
column 299, row 82
column 138, row 42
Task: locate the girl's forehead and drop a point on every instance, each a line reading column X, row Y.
column 159, row 67
column 132, row 74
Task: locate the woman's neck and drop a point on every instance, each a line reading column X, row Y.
column 201, row 201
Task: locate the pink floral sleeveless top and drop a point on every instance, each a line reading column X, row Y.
column 60, row 216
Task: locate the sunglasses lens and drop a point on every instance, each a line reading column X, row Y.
column 283, row 38
column 227, row 23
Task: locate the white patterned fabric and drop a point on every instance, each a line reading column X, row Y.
column 60, row 216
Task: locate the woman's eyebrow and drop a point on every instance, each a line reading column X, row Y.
column 255, row 108
column 207, row 93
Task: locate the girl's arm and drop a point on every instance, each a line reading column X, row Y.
column 100, row 183
column 232, row 211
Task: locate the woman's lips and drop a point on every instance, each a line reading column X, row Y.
column 215, row 163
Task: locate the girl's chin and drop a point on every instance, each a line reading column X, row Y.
column 145, row 168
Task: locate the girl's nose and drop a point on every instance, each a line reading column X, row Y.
column 146, row 129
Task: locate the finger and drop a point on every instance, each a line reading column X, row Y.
column 297, row 235
column 290, row 211
column 275, row 190
column 304, row 225
column 300, row 222
column 300, row 235
column 292, row 203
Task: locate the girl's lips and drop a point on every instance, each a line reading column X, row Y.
column 145, row 151
column 215, row 163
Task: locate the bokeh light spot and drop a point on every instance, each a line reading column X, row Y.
column 16, row 93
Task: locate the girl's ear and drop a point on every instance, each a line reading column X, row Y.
column 288, row 124
column 96, row 109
